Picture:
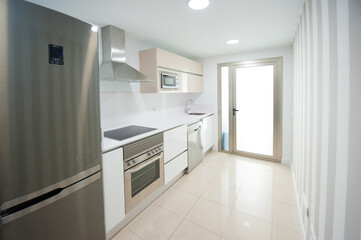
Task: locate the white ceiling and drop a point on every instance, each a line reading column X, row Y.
column 173, row 26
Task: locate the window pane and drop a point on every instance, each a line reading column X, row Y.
column 254, row 100
column 225, row 108
column 144, row 177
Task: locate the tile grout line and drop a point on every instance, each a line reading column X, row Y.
column 196, row 223
column 210, row 181
column 133, row 233
column 188, row 210
column 173, row 214
column 289, row 229
column 176, row 229
column 184, row 218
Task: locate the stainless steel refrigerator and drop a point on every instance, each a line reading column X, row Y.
column 50, row 154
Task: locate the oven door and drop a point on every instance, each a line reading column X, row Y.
column 142, row 180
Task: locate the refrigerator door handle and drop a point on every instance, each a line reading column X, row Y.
column 34, row 204
column 63, row 184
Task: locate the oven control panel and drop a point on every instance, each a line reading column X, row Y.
column 149, row 153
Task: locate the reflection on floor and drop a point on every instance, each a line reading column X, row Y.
column 226, row 197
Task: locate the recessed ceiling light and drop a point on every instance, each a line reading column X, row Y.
column 232, row 41
column 94, row 28
column 198, row 4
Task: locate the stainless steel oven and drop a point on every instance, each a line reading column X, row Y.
column 143, row 169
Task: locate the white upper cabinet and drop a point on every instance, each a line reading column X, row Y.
column 192, row 83
column 155, row 60
column 193, row 67
column 169, row 60
column 173, row 61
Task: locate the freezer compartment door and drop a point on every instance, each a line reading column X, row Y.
column 77, row 212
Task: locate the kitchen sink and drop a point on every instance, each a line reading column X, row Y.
column 195, row 113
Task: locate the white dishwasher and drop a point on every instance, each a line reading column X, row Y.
column 195, row 149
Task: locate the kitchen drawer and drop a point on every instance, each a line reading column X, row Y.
column 175, row 142
column 175, row 166
column 113, row 183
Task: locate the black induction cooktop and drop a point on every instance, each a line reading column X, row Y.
column 127, row 132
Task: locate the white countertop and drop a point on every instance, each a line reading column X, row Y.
column 162, row 122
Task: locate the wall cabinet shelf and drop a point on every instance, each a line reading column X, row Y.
column 153, row 61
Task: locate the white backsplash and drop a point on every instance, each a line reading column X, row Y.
column 120, row 109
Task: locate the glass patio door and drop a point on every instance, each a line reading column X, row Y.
column 254, row 111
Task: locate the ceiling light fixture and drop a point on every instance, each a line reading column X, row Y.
column 94, row 28
column 198, row 4
column 232, row 41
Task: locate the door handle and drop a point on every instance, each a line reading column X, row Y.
column 234, row 111
column 144, row 164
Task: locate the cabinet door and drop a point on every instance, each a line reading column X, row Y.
column 148, row 66
column 175, row 142
column 113, row 183
column 191, row 66
column 175, row 166
column 208, row 133
column 194, row 83
column 169, row 60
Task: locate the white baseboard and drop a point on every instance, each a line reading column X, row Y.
column 285, row 161
column 298, row 203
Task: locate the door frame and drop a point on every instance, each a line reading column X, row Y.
column 277, row 62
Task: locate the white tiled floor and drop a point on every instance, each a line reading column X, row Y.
column 226, row 197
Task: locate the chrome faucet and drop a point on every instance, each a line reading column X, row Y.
column 188, row 105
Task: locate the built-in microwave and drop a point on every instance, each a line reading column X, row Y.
column 169, row 80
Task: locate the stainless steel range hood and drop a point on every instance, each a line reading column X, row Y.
column 114, row 66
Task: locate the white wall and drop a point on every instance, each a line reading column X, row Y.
column 353, row 199
column 327, row 116
column 211, row 85
column 119, row 109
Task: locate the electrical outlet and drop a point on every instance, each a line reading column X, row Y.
column 305, row 206
column 305, row 214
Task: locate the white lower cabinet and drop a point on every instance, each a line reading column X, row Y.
column 207, row 133
column 113, row 186
column 175, row 166
column 175, row 142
